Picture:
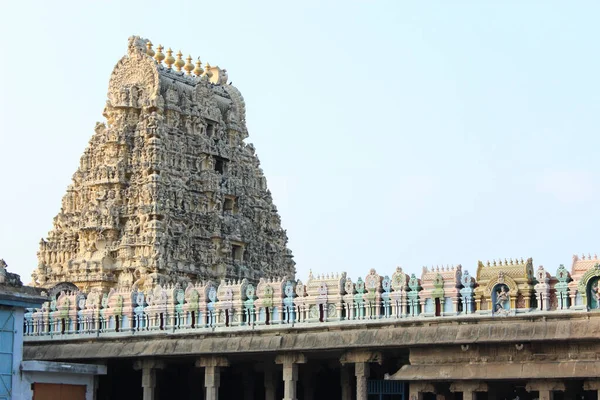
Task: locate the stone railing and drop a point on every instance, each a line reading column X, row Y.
column 323, row 299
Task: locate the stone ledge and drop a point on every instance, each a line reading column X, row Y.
column 47, row 366
column 574, row 327
column 489, row 371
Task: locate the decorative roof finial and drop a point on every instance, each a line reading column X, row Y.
column 179, row 62
column 188, row 65
column 208, row 72
column 149, row 50
column 169, row 60
column 198, row 70
column 159, row 57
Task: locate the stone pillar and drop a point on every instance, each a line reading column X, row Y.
column 361, row 370
column 269, row 383
column 346, row 382
column 469, row 389
column 545, row 388
column 290, row 373
column 148, row 368
column 212, row 375
column 361, row 360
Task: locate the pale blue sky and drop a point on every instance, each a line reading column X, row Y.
column 391, row 133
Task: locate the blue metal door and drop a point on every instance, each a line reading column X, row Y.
column 385, row 390
column 7, row 336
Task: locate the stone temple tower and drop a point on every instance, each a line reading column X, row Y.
column 167, row 190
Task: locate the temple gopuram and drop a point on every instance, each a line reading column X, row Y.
column 168, row 265
column 167, row 191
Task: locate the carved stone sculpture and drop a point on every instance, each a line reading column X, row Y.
column 167, row 191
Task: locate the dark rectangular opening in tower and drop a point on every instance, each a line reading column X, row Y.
column 220, row 165
column 236, row 252
column 210, row 129
column 228, row 204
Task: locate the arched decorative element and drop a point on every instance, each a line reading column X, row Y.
column 134, row 81
column 584, row 287
column 62, row 287
column 504, row 279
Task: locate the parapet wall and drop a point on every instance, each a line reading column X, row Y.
column 503, row 289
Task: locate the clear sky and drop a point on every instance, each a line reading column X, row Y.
column 391, row 133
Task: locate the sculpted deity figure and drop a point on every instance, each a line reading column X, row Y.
column 596, row 294
column 501, row 298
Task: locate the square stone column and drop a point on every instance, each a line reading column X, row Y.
column 361, row 361
column 545, row 388
column 362, row 372
column 290, row 373
column 148, row 368
column 469, row 389
column 212, row 375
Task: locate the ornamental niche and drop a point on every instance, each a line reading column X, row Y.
column 167, row 191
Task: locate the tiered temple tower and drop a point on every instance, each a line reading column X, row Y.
column 167, row 190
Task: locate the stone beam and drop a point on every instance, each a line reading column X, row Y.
column 212, row 362
column 361, row 356
column 542, row 384
column 469, row 386
column 591, row 385
column 290, row 358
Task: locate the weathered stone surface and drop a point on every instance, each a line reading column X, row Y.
column 492, row 371
column 167, row 190
column 314, row 338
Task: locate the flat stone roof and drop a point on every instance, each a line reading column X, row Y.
column 317, row 337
